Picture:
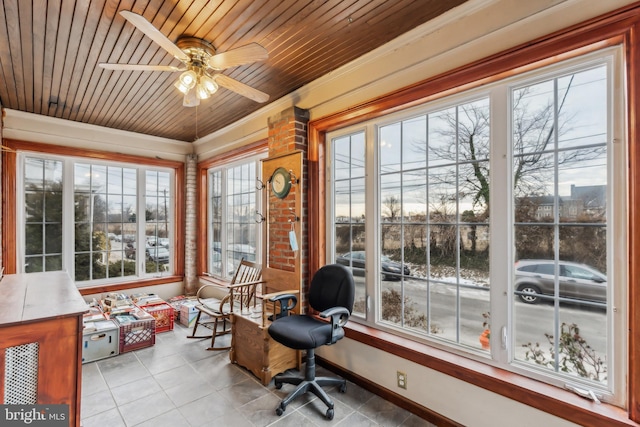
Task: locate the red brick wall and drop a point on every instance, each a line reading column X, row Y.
column 288, row 134
column 279, row 253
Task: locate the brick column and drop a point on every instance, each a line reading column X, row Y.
column 288, row 133
column 190, row 273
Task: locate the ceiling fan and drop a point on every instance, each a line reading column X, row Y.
column 200, row 74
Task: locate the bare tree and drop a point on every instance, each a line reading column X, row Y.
column 392, row 208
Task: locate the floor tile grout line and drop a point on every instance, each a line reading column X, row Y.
column 172, row 346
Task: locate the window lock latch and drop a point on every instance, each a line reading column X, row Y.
column 587, row 394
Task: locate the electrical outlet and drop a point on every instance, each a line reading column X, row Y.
column 402, row 380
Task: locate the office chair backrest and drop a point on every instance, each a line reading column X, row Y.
column 332, row 286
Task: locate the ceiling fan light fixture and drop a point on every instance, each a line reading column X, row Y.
column 188, row 78
column 191, row 98
column 182, row 88
column 202, row 92
column 197, row 56
column 209, row 84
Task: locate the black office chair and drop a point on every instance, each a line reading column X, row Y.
column 331, row 294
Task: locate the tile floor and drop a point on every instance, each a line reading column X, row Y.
column 178, row 383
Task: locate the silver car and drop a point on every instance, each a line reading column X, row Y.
column 157, row 254
column 535, row 277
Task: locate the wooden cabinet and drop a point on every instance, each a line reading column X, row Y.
column 251, row 344
column 254, row 349
column 41, row 340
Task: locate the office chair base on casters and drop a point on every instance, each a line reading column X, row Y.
column 309, row 383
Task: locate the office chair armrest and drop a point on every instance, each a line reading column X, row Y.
column 339, row 317
column 290, row 299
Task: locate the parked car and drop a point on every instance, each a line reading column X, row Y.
column 160, row 241
column 157, row 254
column 535, row 277
column 130, row 250
column 153, row 253
column 391, row 270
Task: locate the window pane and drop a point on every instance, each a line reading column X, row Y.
column 560, row 177
column 390, row 148
column 434, row 200
column 431, row 207
column 33, row 264
column 442, row 189
column 43, row 214
column 157, row 223
column 33, row 233
column 349, row 213
column 583, row 108
column 105, row 224
column 533, row 127
column 234, row 231
column 414, row 146
column 34, row 206
column 442, row 131
column 215, row 206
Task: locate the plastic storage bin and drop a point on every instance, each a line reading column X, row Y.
column 137, row 334
column 102, row 343
column 163, row 313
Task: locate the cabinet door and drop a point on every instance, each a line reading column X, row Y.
column 40, row 364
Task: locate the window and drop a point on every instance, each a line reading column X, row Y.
column 43, row 214
column 492, row 209
column 234, row 224
column 83, row 217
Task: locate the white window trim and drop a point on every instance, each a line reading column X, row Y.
column 501, row 224
column 223, row 232
column 68, row 243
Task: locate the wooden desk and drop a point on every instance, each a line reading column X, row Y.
column 253, row 348
column 41, row 330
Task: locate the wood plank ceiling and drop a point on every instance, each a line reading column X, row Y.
column 49, row 51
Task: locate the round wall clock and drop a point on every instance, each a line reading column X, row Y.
column 281, row 182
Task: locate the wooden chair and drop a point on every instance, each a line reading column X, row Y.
column 241, row 296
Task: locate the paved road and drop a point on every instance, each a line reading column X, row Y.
column 532, row 321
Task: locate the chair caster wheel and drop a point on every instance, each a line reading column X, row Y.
column 278, row 385
column 343, row 388
column 329, row 414
column 280, row 410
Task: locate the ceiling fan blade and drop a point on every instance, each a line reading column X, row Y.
column 241, row 88
column 252, row 52
column 154, row 34
column 139, row 67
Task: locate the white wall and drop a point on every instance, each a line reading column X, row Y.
column 50, row 130
column 457, row 400
column 470, row 32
